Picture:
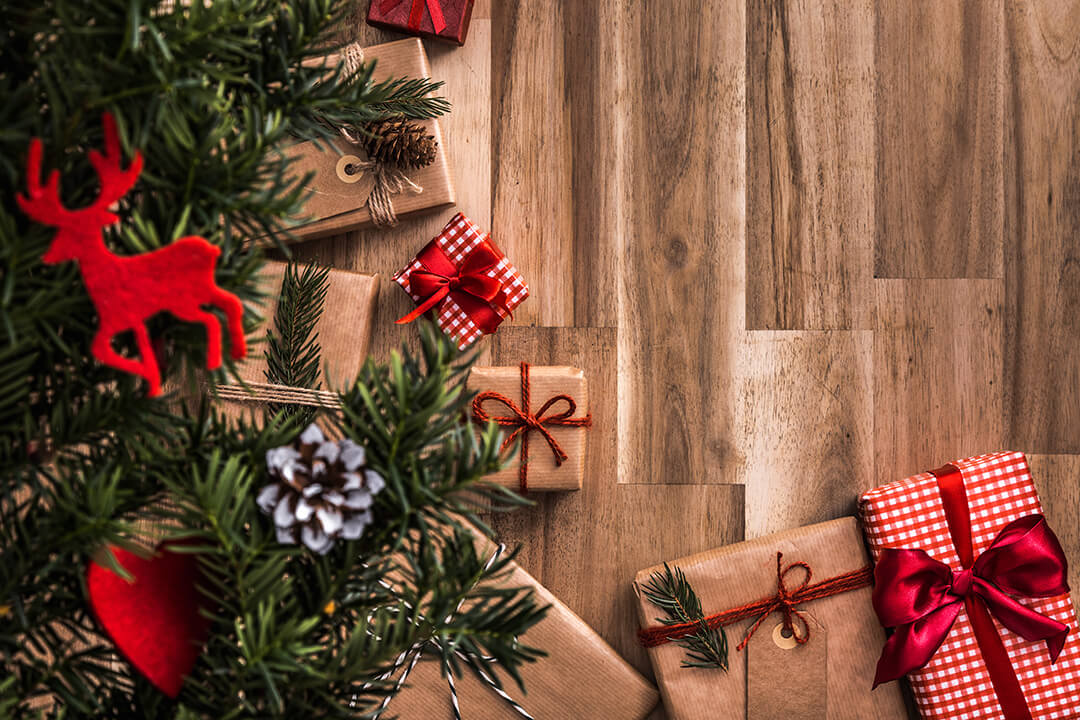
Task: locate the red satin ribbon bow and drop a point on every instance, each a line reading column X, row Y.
column 921, row 597
column 416, row 13
column 469, row 285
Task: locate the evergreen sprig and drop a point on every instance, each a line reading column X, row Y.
column 293, row 353
column 671, row 592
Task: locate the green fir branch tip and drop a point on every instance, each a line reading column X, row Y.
column 671, row 592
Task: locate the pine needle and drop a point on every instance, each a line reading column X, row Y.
column 293, row 353
column 672, row 593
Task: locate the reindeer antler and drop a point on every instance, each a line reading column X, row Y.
column 115, row 181
column 43, row 203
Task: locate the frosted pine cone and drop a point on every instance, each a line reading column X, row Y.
column 322, row 491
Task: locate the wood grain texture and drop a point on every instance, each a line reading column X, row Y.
column 532, row 147
column 1042, row 227
column 809, row 164
column 937, row 373
column 939, row 198
column 785, row 380
column 586, row 546
column 682, row 240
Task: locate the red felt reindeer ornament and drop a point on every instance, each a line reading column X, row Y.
column 128, row 291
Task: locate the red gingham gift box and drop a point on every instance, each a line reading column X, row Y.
column 955, row 683
column 464, row 277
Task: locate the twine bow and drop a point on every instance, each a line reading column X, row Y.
column 416, row 13
column 785, row 600
column 386, row 181
column 524, row 421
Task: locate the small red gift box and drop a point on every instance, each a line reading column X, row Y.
column 436, row 19
column 466, row 279
column 972, row 581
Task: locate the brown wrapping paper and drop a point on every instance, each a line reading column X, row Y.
column 337, row 199
column 344, row 334
column 733, row 576
column 581, row 677
column 545, row 382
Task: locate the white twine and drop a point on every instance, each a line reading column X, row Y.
column 412, row 656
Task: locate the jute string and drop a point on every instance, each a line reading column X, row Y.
column 388, row 181
column 786, row 601
column 270, row 393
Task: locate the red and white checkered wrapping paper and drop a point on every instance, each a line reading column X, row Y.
column 955, row 684
column 460, row 236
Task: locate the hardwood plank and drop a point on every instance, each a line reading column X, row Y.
column 1042, row 224
column 467, row 132
column 937, row 373
column 532, row 149
column 681, row 289
column 806, row 418
column 585, row 546
column 940, row 203
column 810, row 168
column 1057, row 478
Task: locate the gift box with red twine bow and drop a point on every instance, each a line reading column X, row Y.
column 972, row 582
column 547, row 409
column 436, row 19
column 465, row 279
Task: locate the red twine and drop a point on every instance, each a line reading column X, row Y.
column 524, row 421
column 786, row 601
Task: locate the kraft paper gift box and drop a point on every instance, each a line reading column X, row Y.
column 581, row 677
column 344, row 335
column 829, row 676
column 986, row 510
column 337, row 200
column 555, row 465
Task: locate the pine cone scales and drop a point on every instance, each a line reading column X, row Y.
column 400, row 143
column 321, row 491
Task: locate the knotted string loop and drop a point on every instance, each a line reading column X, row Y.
column 785, row 600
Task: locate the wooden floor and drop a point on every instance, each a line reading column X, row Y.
column 800, row 248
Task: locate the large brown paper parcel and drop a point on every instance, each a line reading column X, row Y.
column 829, row 677
column 337, row 199
column 546, row 381
column 344, row 334
column 581, row 678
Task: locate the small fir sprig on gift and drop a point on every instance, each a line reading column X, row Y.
column 399, row 143
column 293, row 354
column 671, row 592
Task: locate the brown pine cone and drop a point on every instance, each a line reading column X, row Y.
column 320, row 491
column 400, row 143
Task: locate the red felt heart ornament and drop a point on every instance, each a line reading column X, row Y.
column 155, row 620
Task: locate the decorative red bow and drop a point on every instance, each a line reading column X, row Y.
column 469, row 285
column 921, row 597
column 416, row 13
